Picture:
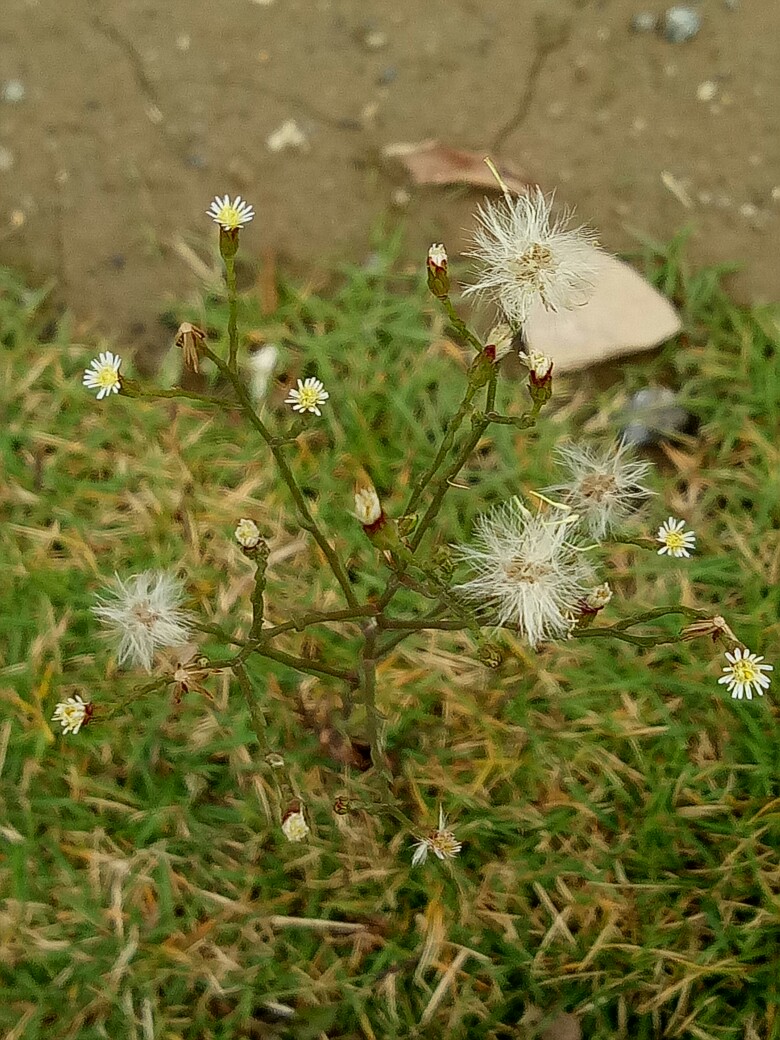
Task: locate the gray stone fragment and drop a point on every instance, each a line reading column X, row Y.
column 681, row 24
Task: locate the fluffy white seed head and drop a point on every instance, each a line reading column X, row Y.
column 144, row 614
column 523, row 258
column 604, row 486
column 526, row 571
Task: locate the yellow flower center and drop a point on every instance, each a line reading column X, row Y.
column 229, row 218
column 674, row 541
column 106, row 376
column 309, row 397
column 744, row 671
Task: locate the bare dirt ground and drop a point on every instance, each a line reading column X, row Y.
column 120, row 119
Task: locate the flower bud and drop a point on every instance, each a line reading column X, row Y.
column 247, row 534
column 589, row 606
column 438, row 274
column 500, row 340
column 228, row 242
column 539, row 376
column 368, row 508
column 294, row 825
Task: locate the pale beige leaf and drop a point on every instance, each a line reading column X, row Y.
column 624, row 315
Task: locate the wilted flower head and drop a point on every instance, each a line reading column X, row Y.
column 294, row 825
column 189, row 339
column 103, row 374
column 745, row 673
column 72, row 714
column 441, row 842
column 145, row 615
column 526, row 571
column 674, row 539
column 230, row 215
column 604, row 487
column 523, row 259
column 715, row 627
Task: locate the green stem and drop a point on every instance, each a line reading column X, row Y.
column 230, row 278
column 316, row 617
column 132, row 389
column 255, row 711
column 306, row 518
column 301, row 664
column 459, row 324
column 443, row 483
column 452, row 427
column 368, row 677
column 258, row 592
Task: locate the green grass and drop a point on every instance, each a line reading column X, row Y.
column 620, row 815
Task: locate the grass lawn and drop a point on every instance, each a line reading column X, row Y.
column 619, row 813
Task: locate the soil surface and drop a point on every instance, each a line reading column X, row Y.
column 120, row 120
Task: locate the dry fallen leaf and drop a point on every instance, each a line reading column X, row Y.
column 625, row 314
column 430, row 162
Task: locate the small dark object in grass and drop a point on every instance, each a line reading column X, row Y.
column 653, row 415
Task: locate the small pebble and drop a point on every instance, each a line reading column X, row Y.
column 387, row 76
column 288, row 137
column 197, row 162
column 681, row 24
column 644, row 22
column 375, row 40
column 13, row 91
column 6, row 159
column 707, row 90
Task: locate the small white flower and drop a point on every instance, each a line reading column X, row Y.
column 368, row 508
column 145, row 615
column 230, row 215
column 247, row 534
column 294, row 825
column 526, row 571
column 674, row 540
column 72, row 714
column 604, row 487
column 103, row 374
column 308, row 396
column 744, row 673
column 441, row 842
column 523, row 259
column 539, row 365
